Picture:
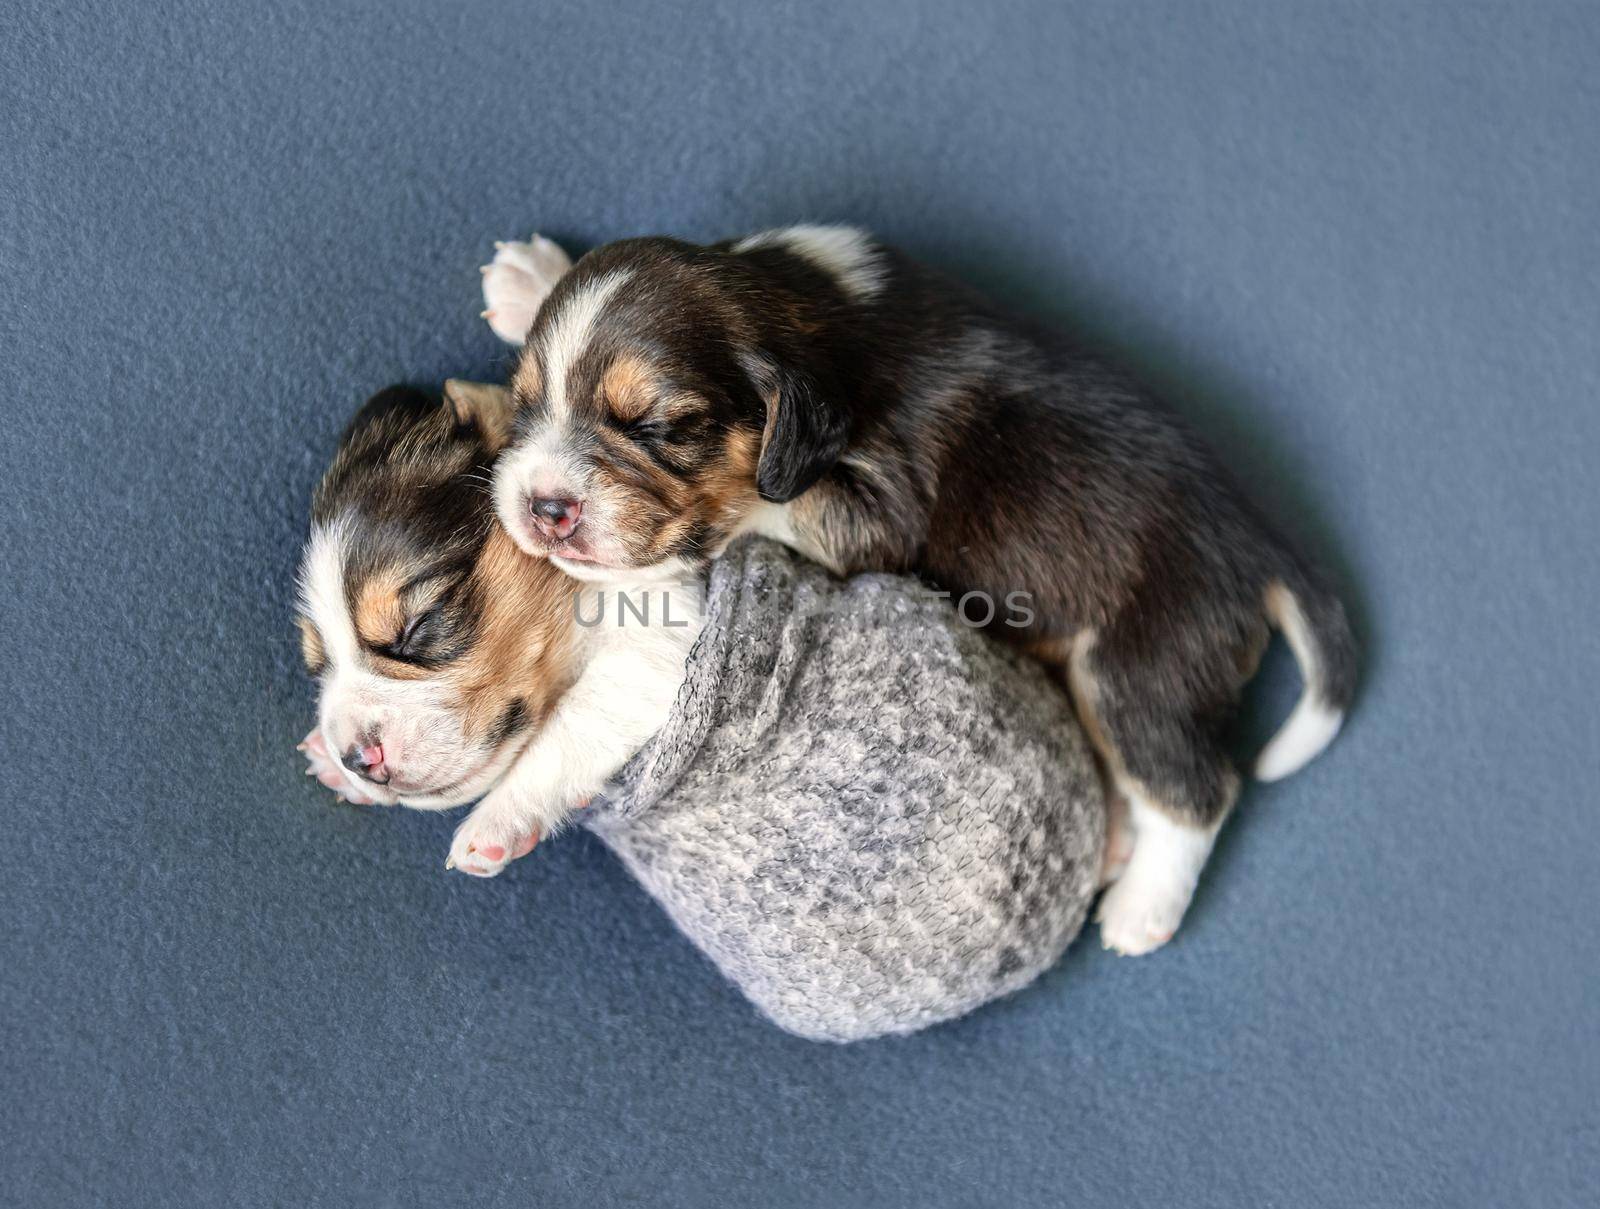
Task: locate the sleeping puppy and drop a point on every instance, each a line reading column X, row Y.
column 820, row 388
column 452, row 667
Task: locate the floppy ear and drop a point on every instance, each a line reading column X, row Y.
column 482, row 406
column 405, row 404
column 805, row 435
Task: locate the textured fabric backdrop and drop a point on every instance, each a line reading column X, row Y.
column 1357, row 243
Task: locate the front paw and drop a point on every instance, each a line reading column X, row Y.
column 321, row 764
column 484, row 844
column 517, row 281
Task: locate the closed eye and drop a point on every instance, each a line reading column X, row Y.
column 648, row 430
column 413, row 637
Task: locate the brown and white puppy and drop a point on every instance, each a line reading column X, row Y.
column 450, row 665
column 814, row 385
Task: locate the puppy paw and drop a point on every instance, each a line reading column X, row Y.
column 485, row 844
column 321, row 764
column 517, row 281
column 1138, row 915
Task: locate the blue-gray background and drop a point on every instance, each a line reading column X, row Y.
column 1357, row 243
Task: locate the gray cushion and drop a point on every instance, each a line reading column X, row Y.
column 869, row 815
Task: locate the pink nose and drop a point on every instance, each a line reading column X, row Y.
column 367, row 762
column 555, row 518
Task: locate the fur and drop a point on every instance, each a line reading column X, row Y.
column 825, row 390
column 474, row 670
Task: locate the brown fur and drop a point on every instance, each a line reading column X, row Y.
column 311, row 646
column 527, row 381
column 524, row 647
column 379, row 613
column 920, row 429
column 629, row 387
column 409, row 487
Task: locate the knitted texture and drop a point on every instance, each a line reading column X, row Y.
column 868, row 815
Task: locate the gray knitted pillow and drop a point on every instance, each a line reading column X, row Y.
column 869, row 816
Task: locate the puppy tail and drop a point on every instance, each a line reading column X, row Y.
column 1314, row 624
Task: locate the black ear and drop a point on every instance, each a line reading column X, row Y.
column 807, row 430
column 396, row 406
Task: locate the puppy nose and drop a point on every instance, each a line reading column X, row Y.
column 366, row 762
column 555, row 517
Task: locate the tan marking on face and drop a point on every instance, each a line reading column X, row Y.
column 664, row 509
column 311, row 650
column 729, row 486
column 391, row 606
column 398, row 669
column 679, row 405
column 526, row 380
column 625, row 483
column 628, row 388
column 379, row 612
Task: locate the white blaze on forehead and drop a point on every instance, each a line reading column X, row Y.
column 568, row 333
column 322, row 593
column 847, row 254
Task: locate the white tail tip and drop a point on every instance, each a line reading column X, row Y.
column 1310, row 728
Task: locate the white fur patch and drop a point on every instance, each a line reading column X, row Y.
column 568, row 334
column 418, row 718
column 1145, row 904
column 776, row 521
column 667, row 571
column 1313, row 724
column 1143, row 908
column 631, row 674
column 322, row 594
column 1310, row 728
column 847, row 254
column 542, row 463
column 768, row 520
column 322, row 598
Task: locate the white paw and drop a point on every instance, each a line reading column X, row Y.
column 321, row 764
column 517, row 281
column 1139, row 914
column 486, row 843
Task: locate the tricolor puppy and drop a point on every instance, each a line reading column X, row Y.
column 451, row 666
column 816, row 386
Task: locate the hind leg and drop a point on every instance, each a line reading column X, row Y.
column 1119, row 839
column 1142, row 909
column 1164, row 759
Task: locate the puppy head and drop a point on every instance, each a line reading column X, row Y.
column 438, row 647
column 658, row 402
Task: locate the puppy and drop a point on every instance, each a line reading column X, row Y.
column 452, row 667
column 818, row 387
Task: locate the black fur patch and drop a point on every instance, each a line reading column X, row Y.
column 920, row 428
column 410, row 480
